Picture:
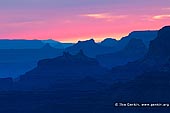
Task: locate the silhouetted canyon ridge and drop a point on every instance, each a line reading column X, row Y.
column 89, row 77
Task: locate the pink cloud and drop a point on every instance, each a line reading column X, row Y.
column 106, row 16
column 158, row 17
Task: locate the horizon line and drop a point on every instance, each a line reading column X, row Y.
column 85, row 39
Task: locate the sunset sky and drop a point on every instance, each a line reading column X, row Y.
column 73, row 20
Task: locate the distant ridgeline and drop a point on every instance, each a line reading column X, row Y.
column 92, row 49
column 68, row 69
column 146, row 60
column 31, row 44
column 14, row 62
column 77, row 83
column 145, row 36
column 111, row 52
column 157, row 58
column 134, row 50
column 19, row 56
column 107, row 56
